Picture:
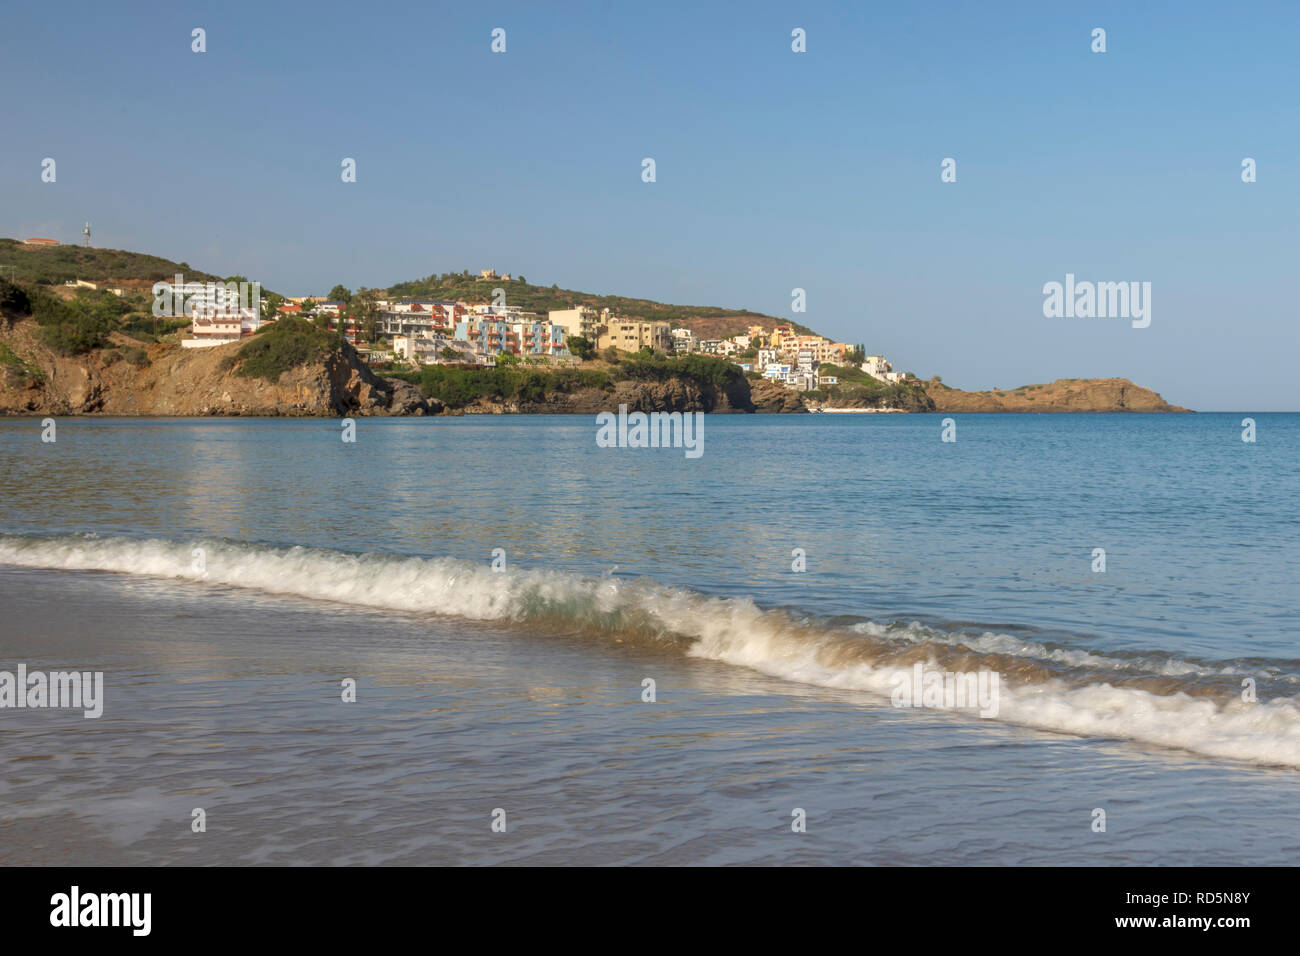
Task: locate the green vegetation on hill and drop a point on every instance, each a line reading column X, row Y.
column 459, row 385
column 281, row 346
column 17, row 370
column 701, row 369
column 14, row 302
column 856, row 386
column 456, row 287
column 77, row 325
column 55, row 264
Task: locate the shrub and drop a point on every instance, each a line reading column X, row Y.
column 287, row 344
column 69, row 327
column 701, row 369
column 13, row 299
column 458, row 386
column 580, row 346
column 17, row 370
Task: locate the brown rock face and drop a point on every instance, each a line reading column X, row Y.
column 1063, row 395
column 772, row 397
column 184, row 382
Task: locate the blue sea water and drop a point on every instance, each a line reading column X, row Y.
column 771, row 588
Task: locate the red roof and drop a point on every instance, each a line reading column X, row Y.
column 52, row 241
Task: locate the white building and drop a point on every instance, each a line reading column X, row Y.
column 806, row 362
column 216, row 330
column 419, row 317
column 220, row 313
column 877, row 367
column 778, row 372
column 428, row 349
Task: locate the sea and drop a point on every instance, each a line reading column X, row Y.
column 1055, row 639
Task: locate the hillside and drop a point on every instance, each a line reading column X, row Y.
column 55, row 264
column 293, row 372
column 1063, row 395
column 74, row 361
column 58, row 264
column 77, row 350
column 706, row 321
column 857, row 389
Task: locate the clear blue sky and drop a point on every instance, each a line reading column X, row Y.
column 776, row 170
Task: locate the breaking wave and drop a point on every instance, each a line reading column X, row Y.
column 1155, row 698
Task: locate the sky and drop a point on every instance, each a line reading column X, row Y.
column 774, row 170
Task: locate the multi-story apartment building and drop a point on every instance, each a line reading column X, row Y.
column 219, row 312
column 822, row 349
column 427, row 350
column 778, row 372
column 805, row 361
column 490, row 334
column 776, row 338
column 511, row 313
column 632, row 335
column 420, row 316
column 877, row 367
column 539, row 337
column 683, row 340
column 583, row 320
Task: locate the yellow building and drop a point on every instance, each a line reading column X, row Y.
column 632, row 335
column 583, row 320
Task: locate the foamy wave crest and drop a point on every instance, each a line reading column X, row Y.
column 987, row 642
column 1151, row 699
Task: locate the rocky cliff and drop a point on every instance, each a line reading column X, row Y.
column 1063, row 395
column 670, row 395
column 165, row 379
column 129, row 378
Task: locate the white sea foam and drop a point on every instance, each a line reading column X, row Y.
column 988, row 642
column 732, row 630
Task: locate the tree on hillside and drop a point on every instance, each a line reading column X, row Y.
column 365, row 307
column 580, row 346
column 271, row 303
column 340, row 293
column 13, row 300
